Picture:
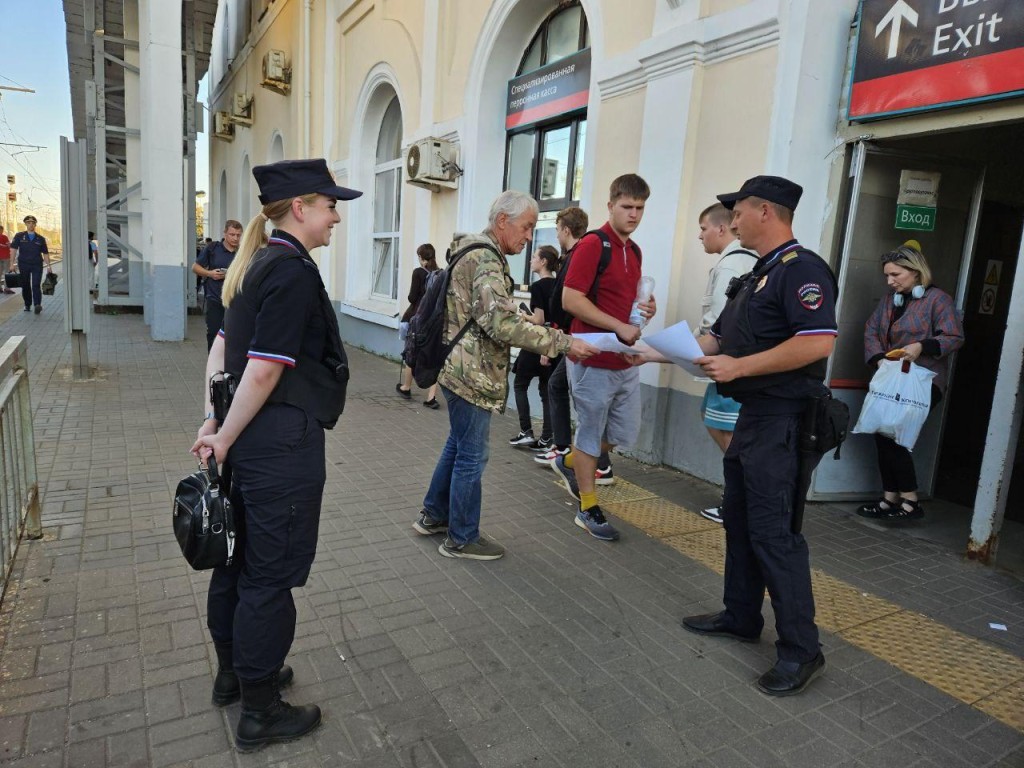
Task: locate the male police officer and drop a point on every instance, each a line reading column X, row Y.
column 29, row 252
column 768, row 350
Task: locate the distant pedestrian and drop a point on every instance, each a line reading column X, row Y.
column 474, row 379
column 428, row 263
column 529, row 365
column 94, row 259
column 716, row 235
column 5, row 256
column 212, row 265
column 30, row 253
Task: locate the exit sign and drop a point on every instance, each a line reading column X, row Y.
column 917, row 55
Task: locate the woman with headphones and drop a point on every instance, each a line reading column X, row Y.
column 916, row 322
column 280, row 342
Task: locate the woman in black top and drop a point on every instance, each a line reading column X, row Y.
column 428, row 264
column 280, row 338
column 530, row 365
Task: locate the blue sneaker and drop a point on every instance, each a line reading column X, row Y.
column 594, row 523
column 567, row 476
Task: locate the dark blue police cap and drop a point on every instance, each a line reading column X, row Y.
column 292, row 178
column 774, row 189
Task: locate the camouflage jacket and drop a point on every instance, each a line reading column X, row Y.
column 480, row 290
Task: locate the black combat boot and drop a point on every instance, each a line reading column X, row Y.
column 266, row 719
column 225, row 685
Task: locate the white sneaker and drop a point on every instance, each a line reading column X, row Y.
column 548, row 459
column 714, row 514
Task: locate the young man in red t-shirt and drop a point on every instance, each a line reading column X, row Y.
column 605, row 387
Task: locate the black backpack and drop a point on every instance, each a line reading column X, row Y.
column 556, row 314
column 425, row 350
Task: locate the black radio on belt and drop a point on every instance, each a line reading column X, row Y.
column 338, row 367
column 222, row 392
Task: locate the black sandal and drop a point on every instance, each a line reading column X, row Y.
column 431, row 403
column 876, row 509
column 900, row 512
column 406, row 393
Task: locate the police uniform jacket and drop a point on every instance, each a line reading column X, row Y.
column 790, row 292
column 30, row 249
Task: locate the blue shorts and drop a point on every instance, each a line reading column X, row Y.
column 607, row 406
column 719, row 411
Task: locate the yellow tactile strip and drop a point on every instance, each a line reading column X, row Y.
column 971, row 670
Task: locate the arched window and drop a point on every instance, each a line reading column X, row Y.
column 545, row 158
column 387, row 203
column 276, row 149
column 244, row 206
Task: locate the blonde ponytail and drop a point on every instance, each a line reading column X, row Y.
column 253, row 239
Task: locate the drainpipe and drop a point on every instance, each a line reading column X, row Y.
column 307, row 94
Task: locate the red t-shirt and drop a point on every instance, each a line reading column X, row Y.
column 616, row 290
column 5, row 247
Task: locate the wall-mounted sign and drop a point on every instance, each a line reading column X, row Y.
column 916, row 55
column 917, row 200
column 993, row 273
column 563, row 86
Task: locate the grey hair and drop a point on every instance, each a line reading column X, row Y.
column 513, row 204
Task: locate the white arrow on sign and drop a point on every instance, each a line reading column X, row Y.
column 894, row 18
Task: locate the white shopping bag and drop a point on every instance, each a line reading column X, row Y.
column 897, row 402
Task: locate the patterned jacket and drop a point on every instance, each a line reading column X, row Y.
column 477, row 369
column 931, row 320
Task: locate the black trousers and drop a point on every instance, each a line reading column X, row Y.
column 558, row 404
column 31, row 283
column 895, row 464
column 761, row 551
column 277, row 483
column 214, row 320
column 521, row 386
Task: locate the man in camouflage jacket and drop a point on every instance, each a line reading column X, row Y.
column 474, row 379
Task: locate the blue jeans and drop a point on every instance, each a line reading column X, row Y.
column 455, row 489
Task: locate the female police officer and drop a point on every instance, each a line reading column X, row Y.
column 280, row 343
column 30, row 250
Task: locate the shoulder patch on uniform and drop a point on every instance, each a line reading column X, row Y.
column 761, row 283
column 810, row 295
column 789, row 257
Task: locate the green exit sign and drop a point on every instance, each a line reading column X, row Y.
column 915, row 217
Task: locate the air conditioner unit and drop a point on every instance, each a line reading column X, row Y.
column 431, row 163
column 277, row 75
column 223, row 128
column 241, row 109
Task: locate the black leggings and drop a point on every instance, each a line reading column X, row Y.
column 895, row 463
column 521, row 385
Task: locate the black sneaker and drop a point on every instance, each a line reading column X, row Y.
column 543, row 446
column 523, row 440
column 407, row 394
column 428, row 526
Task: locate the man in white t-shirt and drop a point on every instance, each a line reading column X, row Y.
column 717, row 237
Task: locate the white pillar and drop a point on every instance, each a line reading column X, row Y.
column 163, row 186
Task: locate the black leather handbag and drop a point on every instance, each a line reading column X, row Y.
column 204, row 522
column 12, row 279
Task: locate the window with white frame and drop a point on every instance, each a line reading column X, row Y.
column 387, row 204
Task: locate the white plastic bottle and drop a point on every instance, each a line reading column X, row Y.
column 644, row 291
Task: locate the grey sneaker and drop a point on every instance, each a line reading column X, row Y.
column 481, row 549
column 428, row 526
column 567, row 476
column 593, row 522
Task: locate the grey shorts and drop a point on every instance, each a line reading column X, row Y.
column 607, row 406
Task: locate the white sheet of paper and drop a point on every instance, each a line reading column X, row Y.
column 679, row 345
column 606, row 342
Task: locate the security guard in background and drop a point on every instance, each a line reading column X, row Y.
column 768, row 351
column 29, row 253
column 280, row 342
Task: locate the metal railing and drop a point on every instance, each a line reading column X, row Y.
column 19, row 496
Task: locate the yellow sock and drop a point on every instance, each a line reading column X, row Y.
column 567, row 459
column 588, row 500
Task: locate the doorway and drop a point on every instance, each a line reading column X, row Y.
column 973, row 253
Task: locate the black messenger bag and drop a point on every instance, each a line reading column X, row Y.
column 204, row 522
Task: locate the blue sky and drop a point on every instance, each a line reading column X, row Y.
column 40, row 61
